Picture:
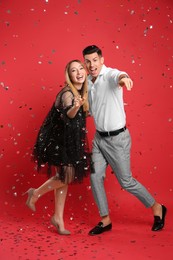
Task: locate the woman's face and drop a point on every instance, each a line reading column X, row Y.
column 77, row 74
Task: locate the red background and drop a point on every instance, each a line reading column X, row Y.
column 37, row 39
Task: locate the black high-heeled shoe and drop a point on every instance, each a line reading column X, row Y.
column 159, row 222
column 60, row 232
column 30, row 204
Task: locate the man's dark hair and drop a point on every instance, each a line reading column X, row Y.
column 91, row 49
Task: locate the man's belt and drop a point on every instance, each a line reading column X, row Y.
column 111, row 133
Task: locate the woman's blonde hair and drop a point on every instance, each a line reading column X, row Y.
column 84, row 92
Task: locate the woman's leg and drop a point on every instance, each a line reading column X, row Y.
column 60, row 198
column 34, row 194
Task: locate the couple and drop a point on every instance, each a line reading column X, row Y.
column 62, row 140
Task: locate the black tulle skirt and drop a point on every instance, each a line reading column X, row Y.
column 62, row 142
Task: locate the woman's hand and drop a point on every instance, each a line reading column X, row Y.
column 78, row 101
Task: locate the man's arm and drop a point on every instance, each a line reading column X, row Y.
column 125, row 80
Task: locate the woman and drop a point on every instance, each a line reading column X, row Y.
column 62, row 142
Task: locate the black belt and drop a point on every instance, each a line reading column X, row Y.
column 111, row 133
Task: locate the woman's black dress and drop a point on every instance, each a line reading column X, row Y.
column 62, row 141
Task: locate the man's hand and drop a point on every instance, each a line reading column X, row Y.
column 127, row 82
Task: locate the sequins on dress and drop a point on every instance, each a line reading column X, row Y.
column 62, row 141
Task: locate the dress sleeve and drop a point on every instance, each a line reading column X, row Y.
column 64, row 100
column 67, row 99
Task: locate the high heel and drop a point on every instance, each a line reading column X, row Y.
column 30, row 204
column 60, row 232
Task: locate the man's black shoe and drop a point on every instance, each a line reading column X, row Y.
column 100, row 229
column 158, row 222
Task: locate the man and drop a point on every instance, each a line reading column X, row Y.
column 112, row 141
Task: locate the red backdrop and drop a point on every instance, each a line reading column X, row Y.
column 38, row 38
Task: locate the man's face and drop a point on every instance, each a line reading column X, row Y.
column 93, row 63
